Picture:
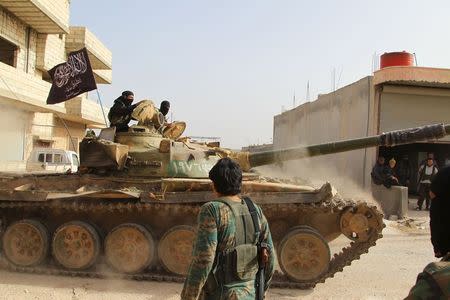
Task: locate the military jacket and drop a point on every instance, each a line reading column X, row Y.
column 433, row 282
column 216, row 233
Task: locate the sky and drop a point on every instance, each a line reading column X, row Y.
column 228, row 67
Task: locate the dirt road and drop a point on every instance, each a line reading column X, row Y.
column 386, row 272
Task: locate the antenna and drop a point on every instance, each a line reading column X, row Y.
column 307, row 91
column 293, row 100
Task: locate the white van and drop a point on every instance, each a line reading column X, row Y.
column 53, row 160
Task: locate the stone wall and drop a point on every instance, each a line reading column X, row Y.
column 18, row 33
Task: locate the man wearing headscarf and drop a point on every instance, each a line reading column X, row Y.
column 120, row 113
column 164, row 107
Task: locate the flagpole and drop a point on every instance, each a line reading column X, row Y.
column 101, row 105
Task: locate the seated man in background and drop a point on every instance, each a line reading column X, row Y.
column 434, row 281
column 382, row 175
column 392, row 174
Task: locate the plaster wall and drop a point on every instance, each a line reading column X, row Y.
column 344, row 114
column 405, row 107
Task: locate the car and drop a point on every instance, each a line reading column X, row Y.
column 53, row 160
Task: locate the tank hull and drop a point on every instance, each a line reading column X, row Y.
column 167, row 209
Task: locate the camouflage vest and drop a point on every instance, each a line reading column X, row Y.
column 433, row 282
column 239, row 263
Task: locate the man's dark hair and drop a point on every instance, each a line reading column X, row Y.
column 127, row 93
column 164, row 107
column 227, row 177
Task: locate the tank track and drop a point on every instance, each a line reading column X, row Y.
column 340, row 260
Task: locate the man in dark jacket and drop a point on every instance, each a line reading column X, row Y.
column 440, row 212
column 120, row 113
column 434, row 281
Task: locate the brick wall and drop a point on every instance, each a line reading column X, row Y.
column 50, row 51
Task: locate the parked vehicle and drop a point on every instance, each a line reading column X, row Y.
column 53, row 160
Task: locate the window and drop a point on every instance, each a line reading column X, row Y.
column 48, row 157
column 75, row 160
column 8, row 52
column 57, row 158
column 41, row 157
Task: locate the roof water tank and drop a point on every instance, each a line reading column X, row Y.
column 392, row 59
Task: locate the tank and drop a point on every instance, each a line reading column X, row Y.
column 130, row 210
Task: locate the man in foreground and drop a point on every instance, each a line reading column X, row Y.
column 434, row 281
column 226, row 231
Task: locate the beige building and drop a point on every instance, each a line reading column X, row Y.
column 393, row 98
column 35, row 36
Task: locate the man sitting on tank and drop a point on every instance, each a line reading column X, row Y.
column 164, row 108
column 120, row 113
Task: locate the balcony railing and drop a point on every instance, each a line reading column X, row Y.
column 45, row 16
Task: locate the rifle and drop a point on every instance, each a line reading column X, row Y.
column 263, row 251
column 263, row 259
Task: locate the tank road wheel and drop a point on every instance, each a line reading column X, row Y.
column 26, row 243
column 175, row 249
column 76, row 245
column 129, row 248
column 359, row 223
column 304, row 255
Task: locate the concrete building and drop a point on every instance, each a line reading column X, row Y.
column 393, row 98
column 35, row 36
column 258, row 148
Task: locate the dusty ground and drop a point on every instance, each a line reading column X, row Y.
column 386, row 272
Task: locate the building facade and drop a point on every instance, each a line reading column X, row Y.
column 393, row 98
column 35, row 35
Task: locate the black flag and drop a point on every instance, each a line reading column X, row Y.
column 71, row 78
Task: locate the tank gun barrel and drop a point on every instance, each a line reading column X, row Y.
column 388, row 139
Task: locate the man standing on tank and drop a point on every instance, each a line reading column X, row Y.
column 210, row 274
column 120, row 113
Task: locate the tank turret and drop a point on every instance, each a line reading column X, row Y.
column 154, row 149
